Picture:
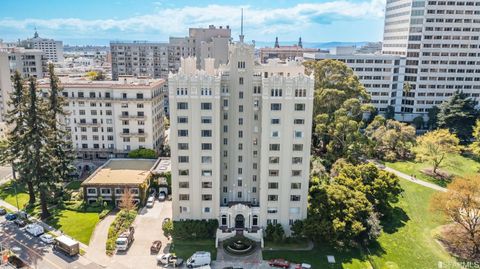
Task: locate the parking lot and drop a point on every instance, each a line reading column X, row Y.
column 148, row 228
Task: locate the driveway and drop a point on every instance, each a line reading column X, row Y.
column 148, row 228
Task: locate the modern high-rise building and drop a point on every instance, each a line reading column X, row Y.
column 108, row 119
column 441, row 43
column 437, row 46
column 240, row 140
column 53, row 49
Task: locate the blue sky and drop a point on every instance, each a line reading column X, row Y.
column 94, row 21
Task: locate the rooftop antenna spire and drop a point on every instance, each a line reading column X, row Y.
column 241, row 28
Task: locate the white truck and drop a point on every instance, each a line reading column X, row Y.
column 125, row 239
column 199, row 258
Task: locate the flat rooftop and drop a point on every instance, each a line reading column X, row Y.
column 121, row 172
column 123, row 82
column 163, row 166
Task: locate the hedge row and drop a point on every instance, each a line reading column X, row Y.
column 123, row 220
column 194, row 229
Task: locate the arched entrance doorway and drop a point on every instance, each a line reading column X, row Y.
column 239, row 221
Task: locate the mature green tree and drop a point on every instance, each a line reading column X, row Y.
column 17, row 144
column 341, row 133
column 37, row 137
column 338, row 107
column 475, row 146
column 390, row 112
column 391, row 140
column 60, row 139
column 335, row 82
column 432, row 121
column 380, row 187
column 434, row 146
column 458, row 115
column 337, row 214
column 418, row 122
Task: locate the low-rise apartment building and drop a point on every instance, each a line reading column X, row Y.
column 115, row 177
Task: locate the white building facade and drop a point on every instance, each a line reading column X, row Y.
column 53, row 49
column 110, row 118
column 240, row 141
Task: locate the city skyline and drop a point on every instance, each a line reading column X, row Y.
column 315, row 21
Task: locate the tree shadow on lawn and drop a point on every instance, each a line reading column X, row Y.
column 394, row 219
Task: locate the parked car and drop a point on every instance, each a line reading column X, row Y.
column 162, row 196
column 199, row 258
column 169, row 259
column 150, row 201
column 279, row 263
column 3, row 211
column 10, row 216
column 47, row 238
column 156, row 246
column 163, row 258
column 20, row 222
column 175, row 261
column 34, row 229
column 303, row 266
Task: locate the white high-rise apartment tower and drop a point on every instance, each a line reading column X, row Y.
column 240, row 140
column 440, row 40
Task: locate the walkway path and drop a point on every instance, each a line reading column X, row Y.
column 415, row 180
column 96, row 248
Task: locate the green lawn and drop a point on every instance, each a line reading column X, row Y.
column 287, row 246
column 79, row 225
column 456, row 165
column 407, row 240
column 7, row 193
column 185, row 248
column 317, row 257
column 73, row 185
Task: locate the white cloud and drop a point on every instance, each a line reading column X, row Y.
column 175, row 21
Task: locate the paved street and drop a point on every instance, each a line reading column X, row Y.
column 35, row 252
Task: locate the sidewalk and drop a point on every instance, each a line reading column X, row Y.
column 415, row 180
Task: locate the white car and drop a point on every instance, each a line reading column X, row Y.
column 163, row 258
column 47, row 238
column 34, row 229
column 150, row 201
column 161, row 196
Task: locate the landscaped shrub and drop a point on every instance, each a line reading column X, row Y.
column 194, row 229
column 274, row 233
column 123, row 220
column 142, row 154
